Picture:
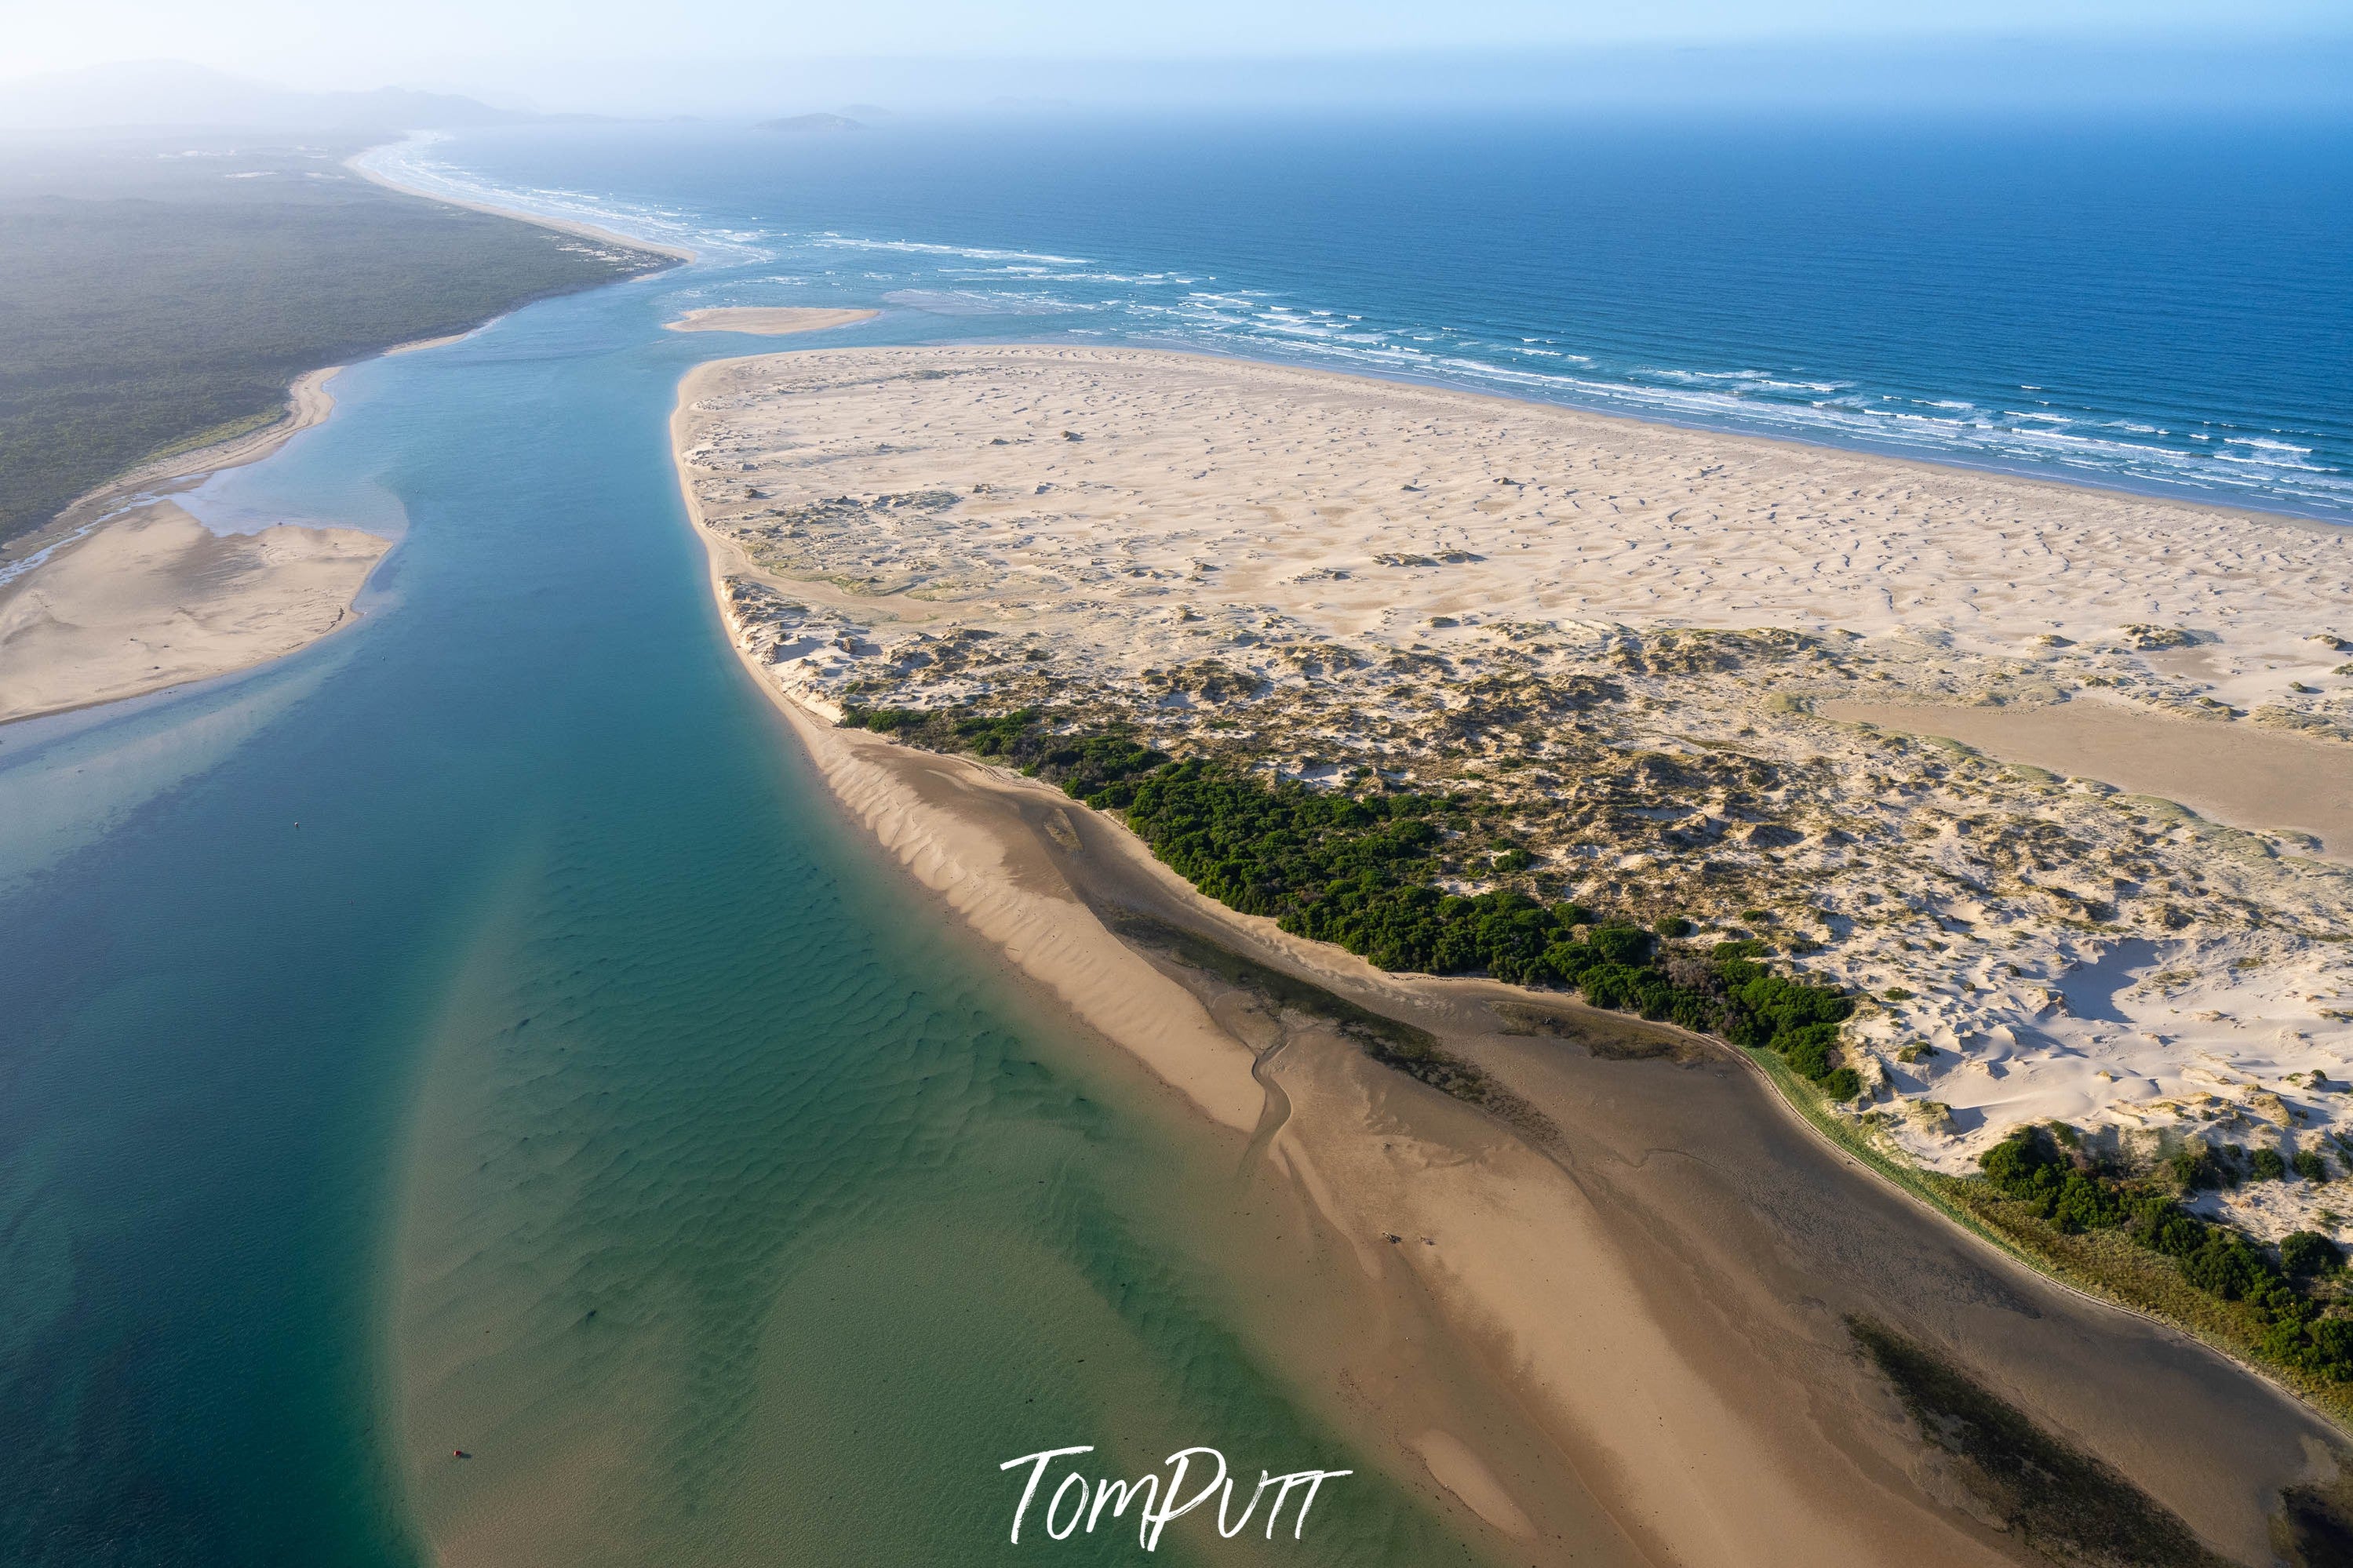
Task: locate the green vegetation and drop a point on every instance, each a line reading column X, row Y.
column 156, row 297
column 1363, row 870
column 1364, row 867
column 2060, row 1500
column 2287, row 1308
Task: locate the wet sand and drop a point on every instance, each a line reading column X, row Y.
column 2227, row 770
column 124, row 592
column 1664, row 1286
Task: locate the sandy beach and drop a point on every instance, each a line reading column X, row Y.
column 1112, row 515
column 124, row 592
column 156, row 599
column 602, row 237
column 1636, row 645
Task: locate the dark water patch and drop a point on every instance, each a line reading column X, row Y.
column 1405, row 1047
column 2315, row 1527
column 1609, row 1039
column 2063, row 1502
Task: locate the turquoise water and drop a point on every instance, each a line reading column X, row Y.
column 493, row 966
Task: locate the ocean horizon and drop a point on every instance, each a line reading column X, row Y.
column 2158, row 307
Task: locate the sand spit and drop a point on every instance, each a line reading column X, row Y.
column 1624, row 644
column 155, row 599
column 1524, row 1272
column 766, row 321
column 587, row 231
column 120, row 596
column 1594, row 1271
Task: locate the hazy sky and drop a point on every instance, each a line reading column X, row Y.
column 363, row 42
column 625, row 54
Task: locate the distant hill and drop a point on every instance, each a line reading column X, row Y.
column 805, row 123
column 175, row 93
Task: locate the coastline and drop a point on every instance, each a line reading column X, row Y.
column 561, row 225
column 990, row 842
column 1622, row 654
column 124, row 594
column 308, row 403
column 269, row 612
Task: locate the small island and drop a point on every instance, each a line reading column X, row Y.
column 768, row 320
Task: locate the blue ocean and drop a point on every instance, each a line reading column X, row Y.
column 2164, row 308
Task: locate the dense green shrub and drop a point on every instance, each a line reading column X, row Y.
column 2310, row 1166
column 2268, row 1165
column 1358, row 871
column 1362, row 871
column 2057, row 1184
column 2307, row 1252
column 2199, row 1168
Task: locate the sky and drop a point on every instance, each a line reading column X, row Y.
column 624, row 55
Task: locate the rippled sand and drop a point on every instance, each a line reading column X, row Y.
column 761, row 1222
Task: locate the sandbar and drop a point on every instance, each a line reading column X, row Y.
column 153, row 599
column 766, row 321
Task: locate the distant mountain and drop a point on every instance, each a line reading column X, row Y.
column 811, row 122
column 175, row 93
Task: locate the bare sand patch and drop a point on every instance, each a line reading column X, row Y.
column 155, row 599
column 2234, row 774
column 765, row 321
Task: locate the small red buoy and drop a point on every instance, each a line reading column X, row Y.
column 459, row 1454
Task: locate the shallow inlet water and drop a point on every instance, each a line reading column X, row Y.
column 476, row 1033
